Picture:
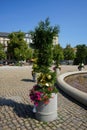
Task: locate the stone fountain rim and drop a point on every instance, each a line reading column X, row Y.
column 71, row 91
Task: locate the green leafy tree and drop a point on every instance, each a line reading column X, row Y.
column 43, row 42
column 57, row 54
column 29, row 54
column 69, row 53
column 81, row 54
column 2, row 52
column 17, row 47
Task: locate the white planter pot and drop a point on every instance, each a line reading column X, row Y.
column 57, row 71
column 47, row 112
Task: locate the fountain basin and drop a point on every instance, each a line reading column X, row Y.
column 71, row 91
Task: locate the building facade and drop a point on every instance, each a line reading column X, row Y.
column 28, row 38
column 4, row 39
column 55, row 40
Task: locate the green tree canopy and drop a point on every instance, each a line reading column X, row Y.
column 17, row 47
column 81, row 54
column 43, row 41
column 57, row 54
column 2, row 52
column 69, row 53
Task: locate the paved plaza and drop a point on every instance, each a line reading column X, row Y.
column 16, row 107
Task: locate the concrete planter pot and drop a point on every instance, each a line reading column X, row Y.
column 57, row 71
column 34, row 77
column 47, row 112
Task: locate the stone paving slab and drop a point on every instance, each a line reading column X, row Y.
column 16, row 108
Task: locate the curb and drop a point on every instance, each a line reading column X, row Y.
column 73, row 92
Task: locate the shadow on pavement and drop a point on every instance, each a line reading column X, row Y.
column 27, row 80
column 22, row 110
column 70, row 98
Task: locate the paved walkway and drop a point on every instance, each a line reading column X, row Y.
column 16, row 108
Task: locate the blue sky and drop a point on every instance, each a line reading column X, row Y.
column 24, row 15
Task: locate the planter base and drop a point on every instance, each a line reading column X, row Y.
column 46, row 118
column 47, row 112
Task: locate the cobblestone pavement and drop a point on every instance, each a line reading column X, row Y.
column 16, row 108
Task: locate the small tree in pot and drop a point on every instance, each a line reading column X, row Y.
column 57, row 56
column 42, row 93
column 81, row 66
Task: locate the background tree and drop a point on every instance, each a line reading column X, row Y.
column 29, row 54
column 17, row 47
column 2, row 52
column 81, row 54
column 57, row 54
column 69, row 53
column 43, row 42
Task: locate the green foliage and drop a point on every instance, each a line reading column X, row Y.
column 17, row 47
column 2, row 52
column 35, row 67
column 43, row 43
column 29, row 53
column 57, row 54
column 81, row 54
column 49, row 78
column 44, row 88
column 35, row 53
column 69, row 53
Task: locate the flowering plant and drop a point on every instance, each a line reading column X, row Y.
column 44, row 88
